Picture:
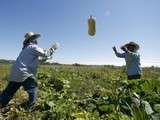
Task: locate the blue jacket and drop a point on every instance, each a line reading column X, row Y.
column 27, row 62
column 133, row 66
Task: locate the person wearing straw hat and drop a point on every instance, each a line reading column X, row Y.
column 24, row 70
column 132, row 58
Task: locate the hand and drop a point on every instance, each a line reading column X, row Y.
column 114, row 48
column 55, row 46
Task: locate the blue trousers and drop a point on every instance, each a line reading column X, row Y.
column 30, row 85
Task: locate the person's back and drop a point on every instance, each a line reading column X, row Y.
column 133, row 66
column 26, row 63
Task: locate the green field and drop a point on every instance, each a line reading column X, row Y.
column 68, row 92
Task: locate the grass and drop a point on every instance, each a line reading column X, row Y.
column 85, row 93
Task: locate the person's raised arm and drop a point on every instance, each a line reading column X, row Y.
column 121, row 55
column 45, row 54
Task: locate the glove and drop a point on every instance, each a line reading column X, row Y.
column 55, row 46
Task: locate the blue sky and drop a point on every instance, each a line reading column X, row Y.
column 65, row 21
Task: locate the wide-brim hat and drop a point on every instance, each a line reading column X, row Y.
column 31, row 36
column 136, row 46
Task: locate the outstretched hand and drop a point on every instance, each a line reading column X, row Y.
column 114, row 48
column 55, row 46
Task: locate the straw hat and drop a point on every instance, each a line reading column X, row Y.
column 136, row 46
column 31, row 36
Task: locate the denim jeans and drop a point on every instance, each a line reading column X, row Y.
column 29, row 85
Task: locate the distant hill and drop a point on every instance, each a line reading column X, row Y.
column 3, row 61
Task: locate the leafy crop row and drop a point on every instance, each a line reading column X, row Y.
column 89, row 93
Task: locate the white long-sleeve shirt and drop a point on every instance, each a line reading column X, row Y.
column 133, row 66
column 27, row 62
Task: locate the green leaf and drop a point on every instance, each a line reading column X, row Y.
column 157, row 108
